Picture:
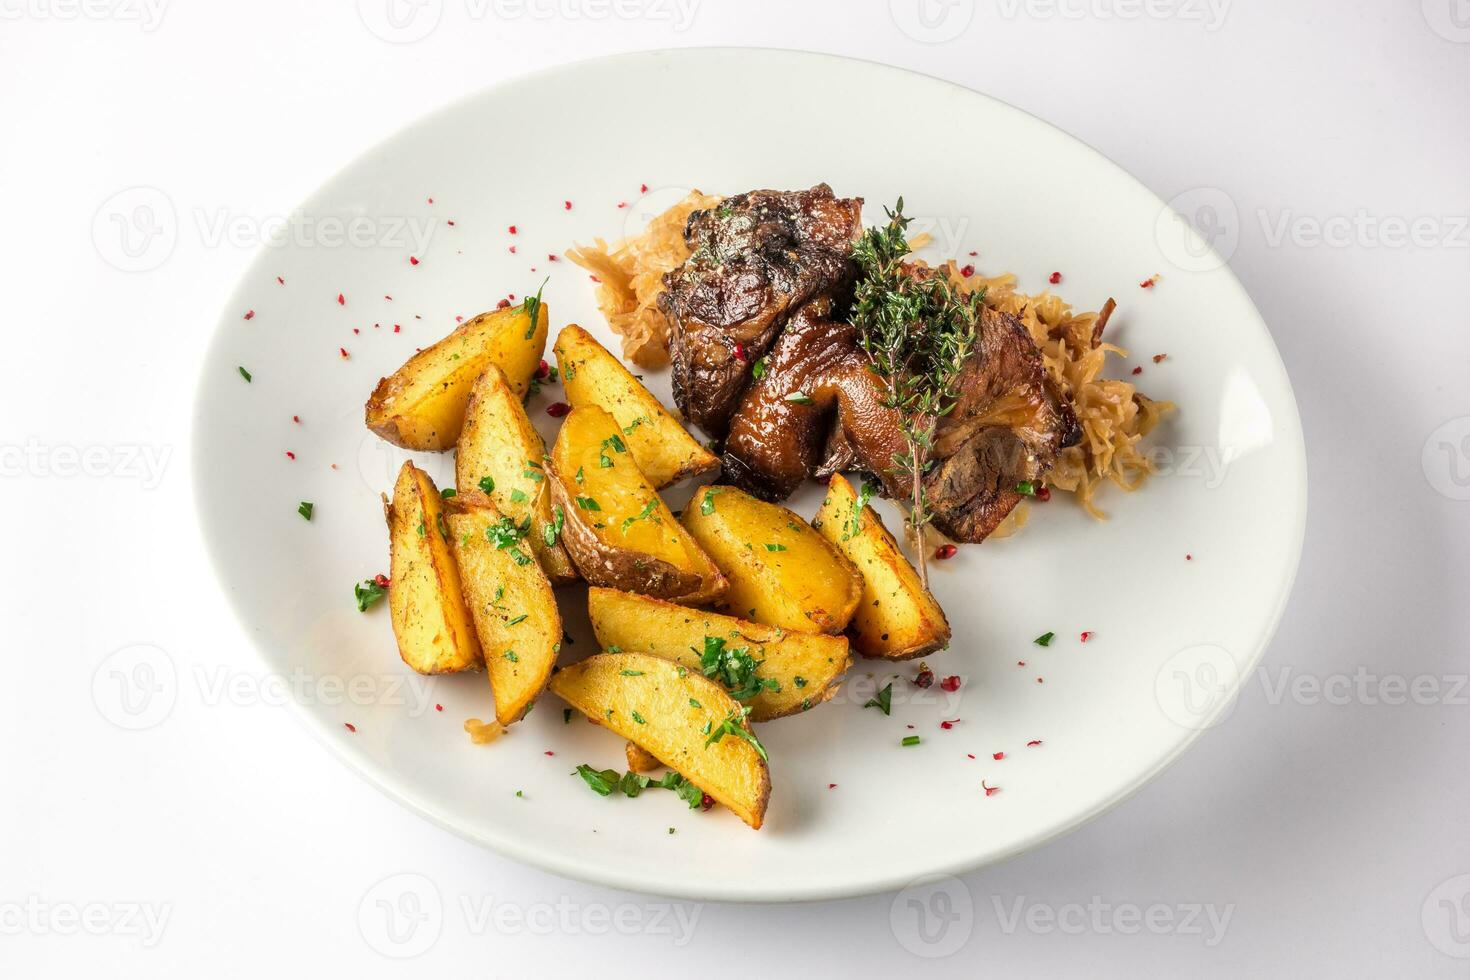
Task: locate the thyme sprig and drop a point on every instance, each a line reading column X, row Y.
column 918, row 331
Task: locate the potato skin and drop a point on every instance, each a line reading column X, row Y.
column 663, row 708
column 897, row 619
column 662, row 447
column 499, row 441
column 422, row 404
column 781, row 572
column 426, row 600
column 610, row 555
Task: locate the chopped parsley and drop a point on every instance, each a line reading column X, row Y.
column 244, row 374
column 910, row 740
column 734, row 724
column 734, row 668
column 707, row 503
column 305, row 509
column 631, row 673
column 552, row 531
column 587, row 503
column 775, row 547
column 646, row 512
column 518, row 496
column 511, row 656
column 628, row 429
column 517, row 621
column 487, row 484
column 367, row 594
column 532, row 308
column 758, row 369
column 799, row 398
column 639, row 718
column 1026, row 488
column 505, row 532
column 884, row 701
column 631, row 784
column 1044, row 640
column 448, row 492
column 855, row 522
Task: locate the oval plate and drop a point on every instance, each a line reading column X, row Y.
column 564, row 156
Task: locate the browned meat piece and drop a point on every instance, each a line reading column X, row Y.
column 756, row 258
column 819, row 406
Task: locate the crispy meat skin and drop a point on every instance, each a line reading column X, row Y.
column 1008, row 426
column 756, row 258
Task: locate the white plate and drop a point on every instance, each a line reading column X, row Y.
column 1172, row 638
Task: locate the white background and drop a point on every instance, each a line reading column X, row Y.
column 1327, row 822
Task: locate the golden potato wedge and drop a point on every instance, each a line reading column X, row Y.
column 618, row 531
column 681, row 718
column 426, row 600
column 897, row 618
column 805, row 667
column 422, row 404
column 501, row 453
column 640, row 759
column 781, row 572
column 663, row 449
column 510, row 602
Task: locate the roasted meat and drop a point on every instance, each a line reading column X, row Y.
column 755, row 259
column 819, row 408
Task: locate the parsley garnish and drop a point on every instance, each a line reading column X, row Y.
column 628, row 429
column 1026, row 488
column 631, row 673
column 758, row 369
column 305, row 509
column 532, row 307
column 775, row 547
column 487, row 484
column 707, row 505
column 368, row 593
column 855, row 522
column 587, row 503
column 799, row 398
column 244, row 374
column 518, row 620
column 884, row 701
column 518, row 496
column 910, row 740
column 552, row 531
column 647, row 511
column 511, row 656
column 734, row 724
column 639, row 718
column 734, row 668
column 505, row 532
column 448, row 492
column 1044, row 640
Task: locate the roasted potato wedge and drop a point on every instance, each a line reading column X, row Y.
column 897, row 618
column 781, row 572
column 500, row 449
column 663, row 449
column 426, row 600
column 510, row 602
column 666, row 709
column 422, row 404
column 640, row 759
column 806, row 667
column 618, row 531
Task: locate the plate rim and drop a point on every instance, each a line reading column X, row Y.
column 548, row 860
